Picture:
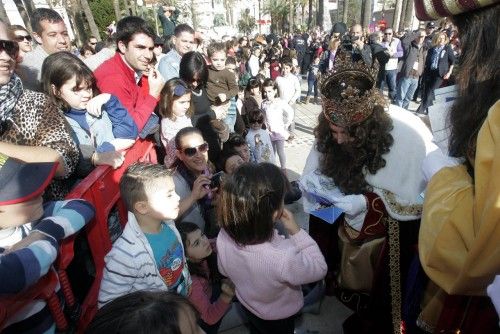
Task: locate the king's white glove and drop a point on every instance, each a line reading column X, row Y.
column 352, row 205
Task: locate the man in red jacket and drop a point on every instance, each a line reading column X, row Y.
column 121, row 75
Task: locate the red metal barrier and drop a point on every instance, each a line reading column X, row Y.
column 101, row 188
column 43, row 289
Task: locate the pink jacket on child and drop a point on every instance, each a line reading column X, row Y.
column 268, row 276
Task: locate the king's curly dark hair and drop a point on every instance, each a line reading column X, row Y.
column 345, row 163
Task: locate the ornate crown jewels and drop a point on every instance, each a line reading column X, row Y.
column 348, row 92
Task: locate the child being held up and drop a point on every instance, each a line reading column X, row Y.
column 30, row 235
column 149, row 254
column 100, row 125
column 221, row 84
column 266, row 268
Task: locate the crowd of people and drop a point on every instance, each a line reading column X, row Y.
column 209, row 243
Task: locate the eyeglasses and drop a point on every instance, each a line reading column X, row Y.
column 21, row 38
column 260, row 121
column 191, row 151
column 11, row 47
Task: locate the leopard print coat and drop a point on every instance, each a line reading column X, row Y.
column 36, row 122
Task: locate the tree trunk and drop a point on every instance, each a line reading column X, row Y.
column 30, row 7
column 309, row 15
column 290, row 15
column 3, row 14
column 345, row 11
column 90, row 19
column 133, row 6
column 116, row 7
column 24, row 14
column 397, row 15
column 320, row 13
column 367, row 13
column 408, row 17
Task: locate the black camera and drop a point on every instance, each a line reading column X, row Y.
column 215, row 180
column 347, row 41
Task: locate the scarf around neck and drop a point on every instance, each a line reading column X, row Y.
column 9, row 95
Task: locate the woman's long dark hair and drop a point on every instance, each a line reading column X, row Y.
column 195, row 268
column 346, row 163
column 478, row 78
column 193, row 64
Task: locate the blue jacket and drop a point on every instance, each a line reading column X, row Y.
column 98, row 132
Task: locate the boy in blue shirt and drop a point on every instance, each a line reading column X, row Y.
column 149, row 254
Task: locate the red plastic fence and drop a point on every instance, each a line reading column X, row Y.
column 43, row 289
column 101, row 188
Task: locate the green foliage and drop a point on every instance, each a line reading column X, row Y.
column 103, row 14
column 278, row 10
column 246, row 24
column 219, row 20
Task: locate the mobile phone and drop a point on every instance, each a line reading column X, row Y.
column 215, row 180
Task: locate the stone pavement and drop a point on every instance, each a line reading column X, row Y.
column 332, row 312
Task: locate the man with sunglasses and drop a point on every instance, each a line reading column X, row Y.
column 50, row 32
column 32, row 129
column 412, row 68
column 389, row 72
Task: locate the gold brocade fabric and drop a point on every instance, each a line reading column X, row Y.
column 459, row 240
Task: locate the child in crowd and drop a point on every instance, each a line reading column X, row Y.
column 149, row 254
column 278, row 118
column 211, row 295
column 30, row 234
column 146, row 312
column 258, row 139
column 175, row 109
column 265, row 69
column 312, row 80
column 230, row 161
column 221, row 84
column 253, row 98
column 288, row 88
column 100, row 125
column 266, row 268
column 236, row 143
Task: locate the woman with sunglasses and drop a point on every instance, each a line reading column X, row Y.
column 23, row 38
column 192, row 180
column 25, row 135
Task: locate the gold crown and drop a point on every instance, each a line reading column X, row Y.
column 348, row 91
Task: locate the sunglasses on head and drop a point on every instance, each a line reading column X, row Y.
column 191, row 151
column 21, row 38
column 11, row 47
column 180, row 90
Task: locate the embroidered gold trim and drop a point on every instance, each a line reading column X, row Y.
column 453, row 7
column 369, row 227
column 429, row 8
column 394, row 274
column 400, row 209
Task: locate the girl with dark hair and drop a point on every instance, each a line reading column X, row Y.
column 366, row 161
column 100, row 125
column 146, row 312
column 194, row 71
column 175, row 109
column 192, row 180
column 266, row 268
column 210, row 294
column 460, row 233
